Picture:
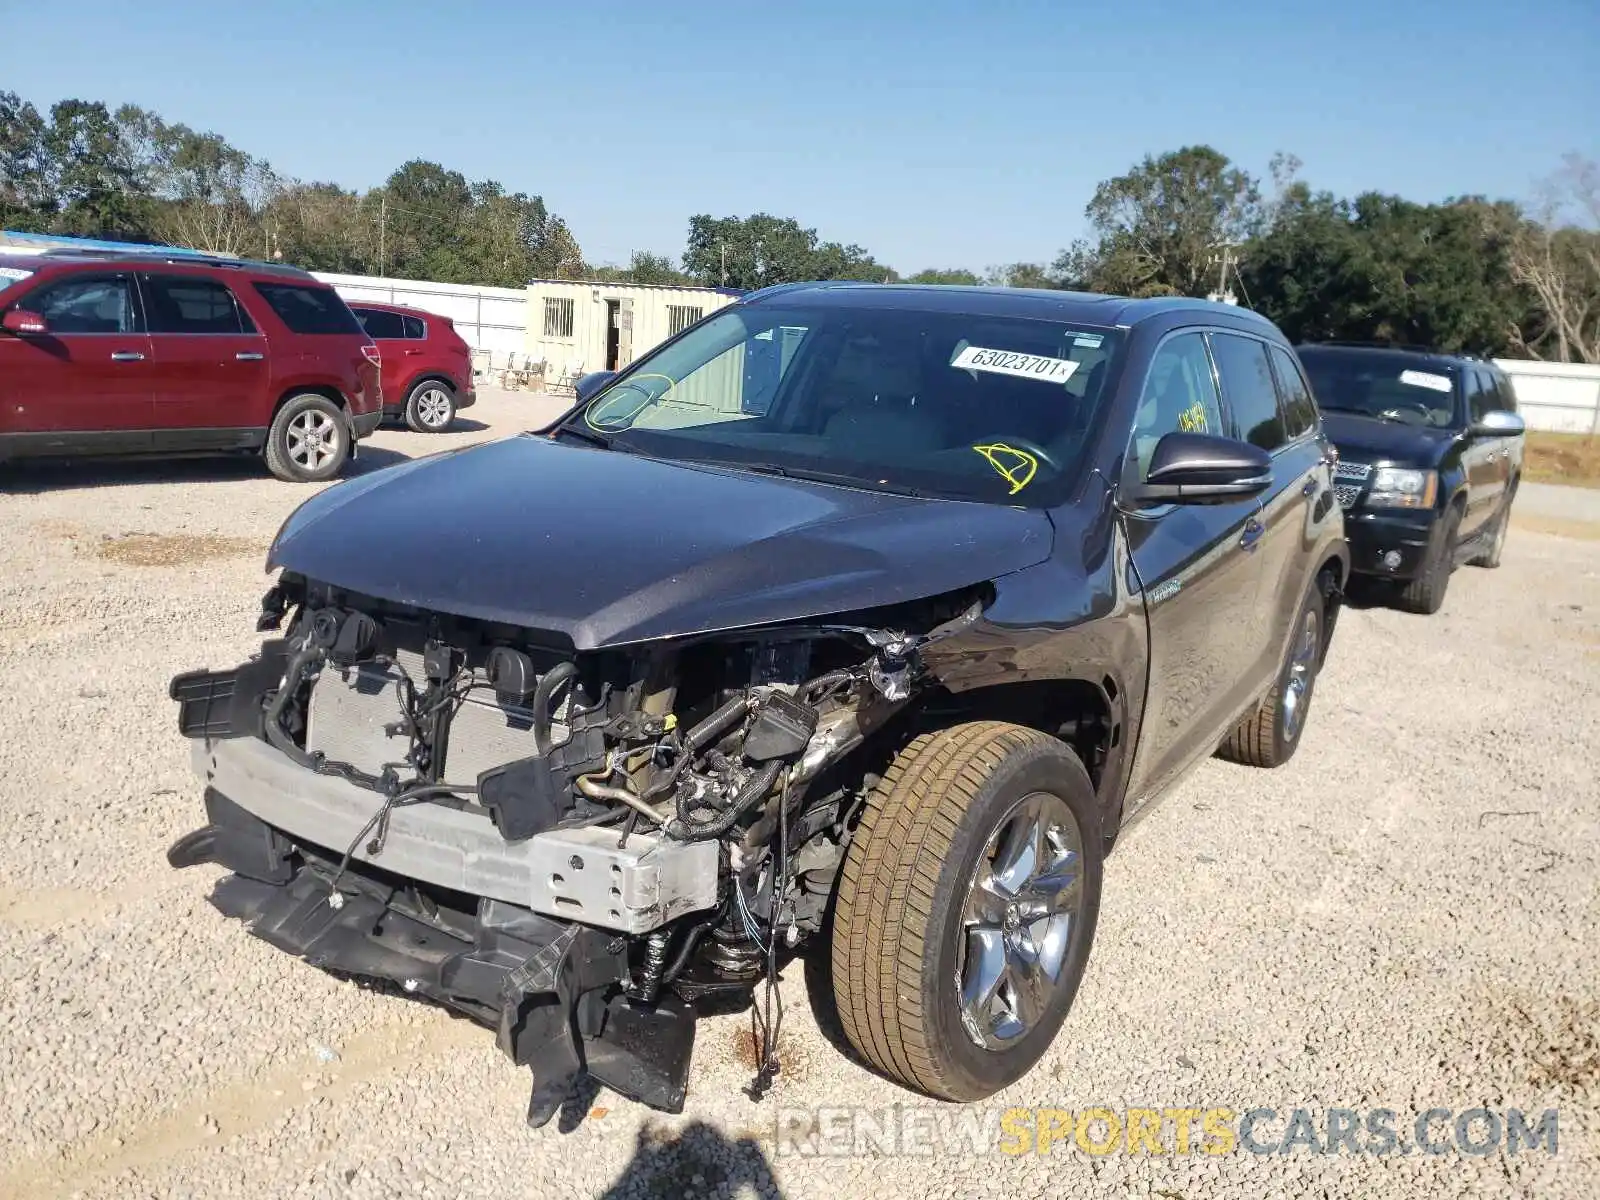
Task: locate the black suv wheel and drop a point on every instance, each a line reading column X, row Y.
column 1425, row 593
column 966, row 908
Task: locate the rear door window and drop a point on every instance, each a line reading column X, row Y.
column 188, row 304
column 310, row 309
column 88, row 304
column 381, row 324
column 1299, row 410
column 1248, row 388
column 414, row 328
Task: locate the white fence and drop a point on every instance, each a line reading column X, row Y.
column 1560, row 397
column 491, row 319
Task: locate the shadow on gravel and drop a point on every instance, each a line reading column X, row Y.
column 36, row 477
column 697, row 1160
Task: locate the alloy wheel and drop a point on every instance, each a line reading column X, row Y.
column 433, row 408
column 1024, row 905
column 1302, row 669
column 313, row 440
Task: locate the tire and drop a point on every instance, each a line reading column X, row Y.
column 900, row 947
column 309, row 440
column 1270, row 735
column 1425, row 593
column 1490, row 556
column 431, row 406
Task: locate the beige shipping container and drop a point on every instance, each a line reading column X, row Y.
column 581, row 325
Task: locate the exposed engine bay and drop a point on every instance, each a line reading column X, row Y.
column 574, row 849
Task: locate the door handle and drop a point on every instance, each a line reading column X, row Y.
column 1253, row 529
column 126, row 356
column 248, row 356
column 413, row 351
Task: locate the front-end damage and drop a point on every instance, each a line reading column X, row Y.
column 572, row 848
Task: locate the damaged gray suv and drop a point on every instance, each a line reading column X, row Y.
column 854, row 617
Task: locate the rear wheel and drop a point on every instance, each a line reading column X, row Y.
column 308, row 440
column 967, row 907
column 431, row 407
column 1425, row 593
column 1269, row 736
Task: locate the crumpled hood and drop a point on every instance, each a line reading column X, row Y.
column 605, row 548
column 1366, row 439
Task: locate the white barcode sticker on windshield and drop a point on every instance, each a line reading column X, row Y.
column 1009, row 362
column 1427, row 379
column 14, row 273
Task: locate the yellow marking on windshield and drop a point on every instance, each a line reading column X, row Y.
column 1016, row 467
column 627, row 418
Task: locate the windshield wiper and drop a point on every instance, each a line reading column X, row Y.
column 810, row 476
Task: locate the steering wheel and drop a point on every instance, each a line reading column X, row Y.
column 1014, row 459
column 1427, row 413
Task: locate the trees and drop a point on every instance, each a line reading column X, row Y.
column 760, row 250
column 1159, row 228
column 130, row 174
column 1555, row 254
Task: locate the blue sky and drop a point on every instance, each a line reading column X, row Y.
column 932, row 133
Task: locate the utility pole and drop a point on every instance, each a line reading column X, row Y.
column 383, row 226
column 724, row 248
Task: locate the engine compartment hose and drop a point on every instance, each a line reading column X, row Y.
column 293, row 676
column 759, row 784
column 544, row 691
column 595, row 787
column 715, row 725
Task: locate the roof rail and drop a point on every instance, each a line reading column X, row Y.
column 1409, row 347
column 176, row 255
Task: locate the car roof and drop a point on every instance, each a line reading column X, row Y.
column 1438, row 359
column 58, row 257
column 386, row 306
column 1086, row 308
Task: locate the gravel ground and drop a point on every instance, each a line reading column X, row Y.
column 1404, row 917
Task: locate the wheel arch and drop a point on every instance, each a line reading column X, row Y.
column 1089, row 715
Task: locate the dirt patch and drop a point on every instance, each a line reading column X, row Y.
column 172, row 549
column 1562, row 458
column 747, row 1052
column 1559, row 1043
column 1588, row 531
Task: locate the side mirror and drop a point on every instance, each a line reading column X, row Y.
column 1499, row 423
column 21, row 321
column 1201, row 468
column 591, row 383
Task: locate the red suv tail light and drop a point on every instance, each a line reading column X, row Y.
column 371, row 352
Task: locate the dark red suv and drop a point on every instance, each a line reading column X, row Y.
column 427, row 365
column 113, row 353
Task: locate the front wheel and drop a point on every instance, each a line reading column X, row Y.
column 1425, row 593
column 309, row 439
column 431, row 407
column 1490, row 555
column 966, row 908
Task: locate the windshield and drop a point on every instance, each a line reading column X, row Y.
column 995, row 409
column 1387, row 386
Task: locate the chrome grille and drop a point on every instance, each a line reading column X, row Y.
column 1346, row 493
column 352, row 710
column 1354, row 471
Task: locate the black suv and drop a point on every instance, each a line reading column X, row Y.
column 1430, row 454
column 854, row 614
